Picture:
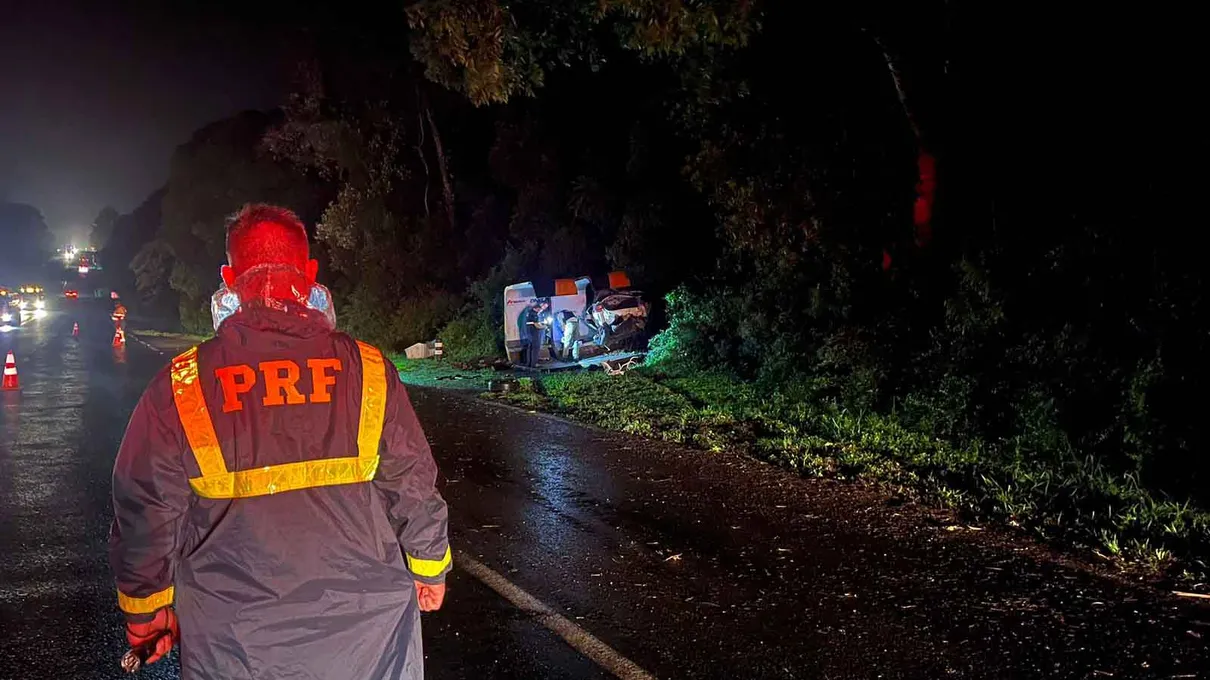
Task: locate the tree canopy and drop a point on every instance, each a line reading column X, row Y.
column 102, row 227
column 824, row 194
column 220, row 169
column 28, row 243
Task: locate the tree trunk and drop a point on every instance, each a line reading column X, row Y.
column 423, row 161
column 897, row 78
column 926, row 163
column 447, row 185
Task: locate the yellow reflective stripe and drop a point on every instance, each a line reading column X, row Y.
column 429, row 568
column 195, row 417
column 373, row 401
column 145, row 605
column 272, row 479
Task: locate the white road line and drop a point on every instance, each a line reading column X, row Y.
column 581, row 640
column 147, row 344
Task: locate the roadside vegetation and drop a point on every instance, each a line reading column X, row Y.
column 1058, row 495
column 429, row 373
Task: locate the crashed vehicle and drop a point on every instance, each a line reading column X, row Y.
column 583, row 323
column 618, row 320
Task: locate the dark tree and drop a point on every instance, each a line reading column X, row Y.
column 220, row 169
column 28, row 243
column 102, row 227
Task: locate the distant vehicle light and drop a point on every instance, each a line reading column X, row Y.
column 83, row 269
column 40, row 304
column 6, row 317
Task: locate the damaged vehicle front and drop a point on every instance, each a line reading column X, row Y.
column 618, row 320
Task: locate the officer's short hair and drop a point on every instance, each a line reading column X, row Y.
column 262, row 234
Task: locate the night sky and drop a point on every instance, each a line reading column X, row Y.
column 94, row 96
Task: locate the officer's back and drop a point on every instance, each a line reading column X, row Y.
column 267, row 483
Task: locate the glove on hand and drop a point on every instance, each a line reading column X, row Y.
column 430, row 596
column 164, row 625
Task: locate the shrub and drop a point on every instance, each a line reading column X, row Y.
column 471, row 336
column 701, row 331
column 478, row 330
column 395, row 325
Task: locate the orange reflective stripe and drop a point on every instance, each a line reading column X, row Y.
column 373, row 401
column 271, row 479
column 145, row 605
column 217, row 482
column 195, row 417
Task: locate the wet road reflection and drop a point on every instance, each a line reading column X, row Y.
column 60, row 433
column 58, row 436
column 700, row 565
column 693, row 565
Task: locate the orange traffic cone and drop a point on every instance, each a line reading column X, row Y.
column 75, row 330
column 11, row 382
column 119, row 338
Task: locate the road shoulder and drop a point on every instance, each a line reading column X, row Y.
column 690, row 563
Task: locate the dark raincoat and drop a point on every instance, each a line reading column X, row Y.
column 301, row 571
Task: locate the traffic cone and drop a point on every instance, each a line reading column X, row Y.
column 119, row 338
column 75, row 330
column 11, row 382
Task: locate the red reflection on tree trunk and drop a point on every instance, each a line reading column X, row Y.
column 926, row 190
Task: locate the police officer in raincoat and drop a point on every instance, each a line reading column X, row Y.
column 532, row 326
column 274, row 499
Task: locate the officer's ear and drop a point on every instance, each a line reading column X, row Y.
column 312, row 271
column 228, row 275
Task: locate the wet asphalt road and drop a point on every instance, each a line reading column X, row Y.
column 699, row 565
column 692, row 565
column 58, row 438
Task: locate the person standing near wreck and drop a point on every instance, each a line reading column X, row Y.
column 532, row 330
column 275, row 508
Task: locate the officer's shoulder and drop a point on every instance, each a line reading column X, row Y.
column 354, row 349
column 354, row 344
column 200, row 351
column 158, row 394
column 203, row 349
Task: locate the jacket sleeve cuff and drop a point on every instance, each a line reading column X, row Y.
column 430, row 571
column 139, row 607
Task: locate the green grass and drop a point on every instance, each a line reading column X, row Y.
column 1061, row 497
column 434, row 373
